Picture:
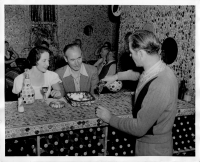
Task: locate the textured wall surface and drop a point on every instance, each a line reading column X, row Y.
column 17, row 27
column 168, row 21
column 71, row 21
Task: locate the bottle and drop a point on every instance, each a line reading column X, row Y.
column 86, row 136
column 43, row 143
column 63, row 151
column 187, row 96
column 111, row 148
column 100, row 133
column 99, row 148
column 92, row 151
column 64, row 139
column 73, row 151
column 81, row 134
column 182, row 90
column 52, row 151
column 8, row 148
column 27, row 93
column 90, row 133
column 20, row 105
column 81, row 149
column 121, row 149
column 31, row 146
column 19, row 148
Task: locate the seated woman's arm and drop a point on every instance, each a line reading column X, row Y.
column 97, row 51
column 99, row 61
column 57, row 91
column 112, row 70
column 15, row 54
column 9, row 61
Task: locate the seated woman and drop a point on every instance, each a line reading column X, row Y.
column 39, row 75
column 110, row 67
column 103, row 52
column 10, row 57
column 51, row 57
column 14, row 72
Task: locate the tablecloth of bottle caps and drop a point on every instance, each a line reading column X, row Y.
column 39, row 118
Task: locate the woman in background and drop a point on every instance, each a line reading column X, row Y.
column 110, row 67
column 39, row 75
column 102, row 52
column 10, row 57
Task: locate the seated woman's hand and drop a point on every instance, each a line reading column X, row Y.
column 56, row 94
column 110, row 79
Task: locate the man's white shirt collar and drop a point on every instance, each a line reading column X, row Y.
column 68, row 71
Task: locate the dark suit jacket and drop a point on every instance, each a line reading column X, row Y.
column 87, row 83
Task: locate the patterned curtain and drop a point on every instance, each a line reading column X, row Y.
column 42, row 13
column 44, row 28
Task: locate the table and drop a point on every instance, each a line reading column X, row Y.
column 39, row 124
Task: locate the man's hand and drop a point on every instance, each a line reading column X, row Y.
column 56, row 94
column 103, row 114
column 110, row 79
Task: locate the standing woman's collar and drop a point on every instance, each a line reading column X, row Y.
column 149, row 74
column 153, row 67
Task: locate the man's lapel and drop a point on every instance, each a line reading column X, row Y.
column 83, row 82
column 69, row 83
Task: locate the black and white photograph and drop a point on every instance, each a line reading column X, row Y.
column 107, row 81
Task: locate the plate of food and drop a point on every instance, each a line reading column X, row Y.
column 56, row 103
column 80, row 98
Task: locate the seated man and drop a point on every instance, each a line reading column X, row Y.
column 77, row 76
column 110, row 67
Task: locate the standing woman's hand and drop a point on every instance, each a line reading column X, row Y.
column 103, row 114
column 110, row 79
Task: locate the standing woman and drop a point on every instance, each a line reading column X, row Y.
column 39, row 75
column 154, row 102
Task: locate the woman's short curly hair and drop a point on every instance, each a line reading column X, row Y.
column 35, row 55
column 146, row 40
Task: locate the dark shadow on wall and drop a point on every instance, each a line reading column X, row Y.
column 116, row 20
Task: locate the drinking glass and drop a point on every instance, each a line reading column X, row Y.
column 43, row 91
column 100, row 86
